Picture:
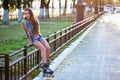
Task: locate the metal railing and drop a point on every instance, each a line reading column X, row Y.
column 18, row 65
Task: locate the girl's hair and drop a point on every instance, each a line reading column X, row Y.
column 34, row 21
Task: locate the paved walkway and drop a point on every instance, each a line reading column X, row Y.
column 97, row 57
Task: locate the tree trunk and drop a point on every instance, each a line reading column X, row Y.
column 6, row 16
column 102, row 6
column 6, row 12
column 73, row 7
column 79, row 11
column 29, row 3
column 64, row 12
column 47, row 9
column 52, row 8
column 19, row 15
column 41, row 13
column 60, row 8
column 47, row 13
column 19, row 11
column 42, row 6
column 96, row 7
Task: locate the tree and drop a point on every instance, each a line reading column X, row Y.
column 18, row 5
column 24, row 2
column 101, row 6
column 27, row 3
column 64, row 12
column 117, row 3
column 12, row 5
column 42, row 6
column 96, row 7
column 52, row 8
column 73, row 6
column 6, row 12
column 59, row 8
column 79, row 11
column 88, row 4
column 47, row 9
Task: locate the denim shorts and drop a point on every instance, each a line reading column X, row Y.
column 40, row 38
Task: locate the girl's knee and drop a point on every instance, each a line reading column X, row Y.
column 47, row 48
column 41, row 48
column 44, row 48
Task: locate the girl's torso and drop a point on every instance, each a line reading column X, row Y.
column 30, row 29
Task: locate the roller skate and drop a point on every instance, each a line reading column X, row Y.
column 47, row 72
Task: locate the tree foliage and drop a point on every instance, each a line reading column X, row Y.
column 12, row 4
column 27, row 3
column 105, row 2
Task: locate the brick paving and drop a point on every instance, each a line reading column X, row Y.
column 97, row 57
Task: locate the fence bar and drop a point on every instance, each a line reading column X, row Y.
column 60, row 38
column 65, row 35
column 0, row 73
column 25, row 61
column 38, row 57
column 47, row 38
column 55, row 41
column 7, row 67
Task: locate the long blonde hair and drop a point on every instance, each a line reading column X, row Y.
column 34, row 21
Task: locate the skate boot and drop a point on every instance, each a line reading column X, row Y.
column 46, row 70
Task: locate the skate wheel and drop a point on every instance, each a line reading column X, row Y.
column 48, row 75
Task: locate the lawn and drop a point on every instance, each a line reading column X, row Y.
column 12, row 36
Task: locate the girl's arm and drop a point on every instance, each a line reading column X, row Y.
column 27, row 31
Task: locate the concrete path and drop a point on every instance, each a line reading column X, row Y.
column 97, row 56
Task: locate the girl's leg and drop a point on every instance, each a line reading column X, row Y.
column 45, row 51
column 46, row 45
column 41, row 47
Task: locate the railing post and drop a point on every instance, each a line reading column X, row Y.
column 25, row 60
column 75, row 29
column 69, row 33
column 55, row 41
column 7, row 67
column 65, row 35
column 0, row 74
column 47, row 38
column 60, row 38
column 38, row 57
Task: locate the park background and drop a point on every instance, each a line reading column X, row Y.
column 12, row 36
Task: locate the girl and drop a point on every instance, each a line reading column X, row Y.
column 32, row 29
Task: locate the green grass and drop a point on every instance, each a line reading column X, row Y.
column 13, row 37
